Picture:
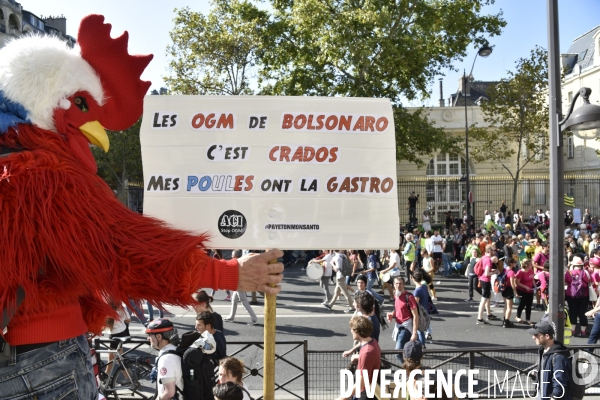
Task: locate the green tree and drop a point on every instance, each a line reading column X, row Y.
column 122, row 164
column 215, row 53
column 516, row 116
column 373, row 48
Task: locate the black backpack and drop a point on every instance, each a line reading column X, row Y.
column 197, row 369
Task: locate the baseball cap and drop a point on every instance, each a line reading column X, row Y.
column 413, row 350
column 543, row 327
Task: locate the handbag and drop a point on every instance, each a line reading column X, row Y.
column 516, row 300
column 593, row 295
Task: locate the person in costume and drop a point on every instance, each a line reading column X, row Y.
column 69, row 247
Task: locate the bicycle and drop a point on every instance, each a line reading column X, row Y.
column 130, row 375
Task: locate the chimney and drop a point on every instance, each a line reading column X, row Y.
column 441, row 93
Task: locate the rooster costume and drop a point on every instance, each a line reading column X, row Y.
column 66, row 242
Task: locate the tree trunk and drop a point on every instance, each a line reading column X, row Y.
column 514, row 195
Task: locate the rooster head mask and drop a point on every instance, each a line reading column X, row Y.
column 74, row 92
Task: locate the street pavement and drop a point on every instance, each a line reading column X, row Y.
column 300, row 316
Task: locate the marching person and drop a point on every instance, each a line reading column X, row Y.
column 239, row 295
column 554, row 366
column 405, row 314
column 340, row 281
column 486, row 285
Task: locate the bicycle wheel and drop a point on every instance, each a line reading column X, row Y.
column 132, row 381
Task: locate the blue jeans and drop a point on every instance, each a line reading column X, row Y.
column 595, row 334
column 403, row 338
column 151, row 311
column 447, row 265
column 370, row 283
column 62, row 370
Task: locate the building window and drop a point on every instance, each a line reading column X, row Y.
column 541, row 154
column 445, row 195
column 570, row 147
column 526, row 198
column 540, row 193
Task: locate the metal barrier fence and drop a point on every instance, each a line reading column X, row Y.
column 314, row 374
column 499, row 368
column 291, row 376
column 440, row 195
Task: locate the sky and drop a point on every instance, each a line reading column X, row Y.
column 149, row 22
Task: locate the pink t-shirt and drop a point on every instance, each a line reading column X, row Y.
column 526, row 279
column 486, row 263
column 509, row 275
column 540, row 259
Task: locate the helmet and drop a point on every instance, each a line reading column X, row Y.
column 165, row 328
column 159, row 325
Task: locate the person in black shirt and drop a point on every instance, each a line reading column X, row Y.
column 412, row 207
column 449, row 220
column 503, row 207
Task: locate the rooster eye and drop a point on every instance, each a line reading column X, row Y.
column 81, row 103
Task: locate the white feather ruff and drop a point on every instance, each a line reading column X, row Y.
column 38, row 72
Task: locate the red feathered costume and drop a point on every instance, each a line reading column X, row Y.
column 64, row 236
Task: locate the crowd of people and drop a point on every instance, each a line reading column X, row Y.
column 506, row 264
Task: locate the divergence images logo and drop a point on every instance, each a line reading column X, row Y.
column 232, row 224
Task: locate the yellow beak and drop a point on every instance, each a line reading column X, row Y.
column 96, row 134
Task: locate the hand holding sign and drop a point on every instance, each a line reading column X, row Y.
column 256, row 274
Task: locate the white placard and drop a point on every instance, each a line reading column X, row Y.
column 273, row 172
column 577, row 215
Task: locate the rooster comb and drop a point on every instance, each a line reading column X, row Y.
column 118, row 70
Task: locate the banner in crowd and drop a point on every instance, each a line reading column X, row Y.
column 273, row 172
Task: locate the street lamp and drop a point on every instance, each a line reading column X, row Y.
column 584, row 119
column 585, row 122
column 484, row 51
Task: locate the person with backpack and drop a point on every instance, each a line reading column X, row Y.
column 163, row 337
column 578, row 281
column 405, row 314
column 342, row 267
column 554, row 365
column 484, row 269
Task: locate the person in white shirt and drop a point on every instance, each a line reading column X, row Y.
column 437, row 250
column 487, row 217
column 327, row 272
column 394, row 270
column 163, row 336
column 340, row 281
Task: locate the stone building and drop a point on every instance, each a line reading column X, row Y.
column 441, row 183
column 15, row 22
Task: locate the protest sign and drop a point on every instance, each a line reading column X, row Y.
column 259, row 172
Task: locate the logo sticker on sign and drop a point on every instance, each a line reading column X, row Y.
column 232, row 224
